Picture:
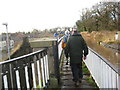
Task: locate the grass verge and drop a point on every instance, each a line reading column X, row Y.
column 89, row 78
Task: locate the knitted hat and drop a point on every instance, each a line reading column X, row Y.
column 67, row 32
column 74, row 29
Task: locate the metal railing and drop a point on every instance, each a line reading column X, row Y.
column 57, row 49
column 103, row 72
column 25, row 72
column 31, row 70
column 60, row 47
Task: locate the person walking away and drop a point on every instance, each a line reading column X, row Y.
column 64, row 41
column 77, row 49
column 56, row 35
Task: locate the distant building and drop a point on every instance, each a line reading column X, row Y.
column 3, row 43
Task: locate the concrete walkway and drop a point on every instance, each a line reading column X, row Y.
column 66, row 79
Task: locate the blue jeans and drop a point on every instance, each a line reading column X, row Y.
column 76, row 71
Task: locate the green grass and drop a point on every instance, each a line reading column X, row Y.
column 85, row 70
column 39, row 87
column 53, row 83
column 89, row 78
column 91, row 81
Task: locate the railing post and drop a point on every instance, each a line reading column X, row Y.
column 10, row 67
column 21, row 65
column 1, row 84
column 56, row 60
column 30, row 72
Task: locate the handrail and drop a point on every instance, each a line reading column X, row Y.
column 27, row 55
column 103, row 72
column 57, row 49
column 60, row 47
column 59, row 40
column 22, row 72
column 30, row 70
column 106, row 61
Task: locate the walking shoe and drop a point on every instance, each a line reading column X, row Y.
column 73, row 80
column 80, row 80
column 77, row 84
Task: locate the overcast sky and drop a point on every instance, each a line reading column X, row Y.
column 25, row 15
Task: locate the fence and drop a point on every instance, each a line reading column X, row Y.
column 103, row 72
column 60, row 47
column 26, row 71
column 31, row 70
column 57, row 49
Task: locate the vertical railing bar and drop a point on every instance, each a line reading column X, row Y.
column 115, row 79
column 17, row 79
column 5, row 81
column 39, row 75
column 107, row 79
column 106, row 83
column 103, row 77
column 42, row 72
column 47, row 67
column 10, row 67
column 110, row 78
column 57, row 62
column 113, row 75
column 101, row 84
column 27, row 78
column 118, row 81
column 33, row 72
column 99, row 79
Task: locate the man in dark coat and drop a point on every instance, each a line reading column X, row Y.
column 77, row 50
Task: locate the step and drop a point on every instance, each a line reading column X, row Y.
column 68, row 77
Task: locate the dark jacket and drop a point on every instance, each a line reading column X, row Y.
column 76, row 48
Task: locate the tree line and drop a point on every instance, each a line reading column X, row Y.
column 102, row 16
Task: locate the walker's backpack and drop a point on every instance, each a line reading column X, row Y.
column 64, row 41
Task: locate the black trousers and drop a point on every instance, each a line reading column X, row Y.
column 76, row 71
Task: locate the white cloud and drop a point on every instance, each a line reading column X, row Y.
column 23, row 15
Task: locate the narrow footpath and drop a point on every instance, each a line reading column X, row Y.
column 68, row 84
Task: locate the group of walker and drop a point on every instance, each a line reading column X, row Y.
column 76, row 49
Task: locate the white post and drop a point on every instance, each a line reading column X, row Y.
column 8, row 52
column 34, row 78
column 42, row 69
column 7, row 39
column 17, row 79
column 27, row 78
column 116, row 36
column 39, row 74
column 5, row 81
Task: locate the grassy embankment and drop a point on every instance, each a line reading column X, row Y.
column 12, row 51
column 101, row 36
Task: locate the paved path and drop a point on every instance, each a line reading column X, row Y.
column 67, row 83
